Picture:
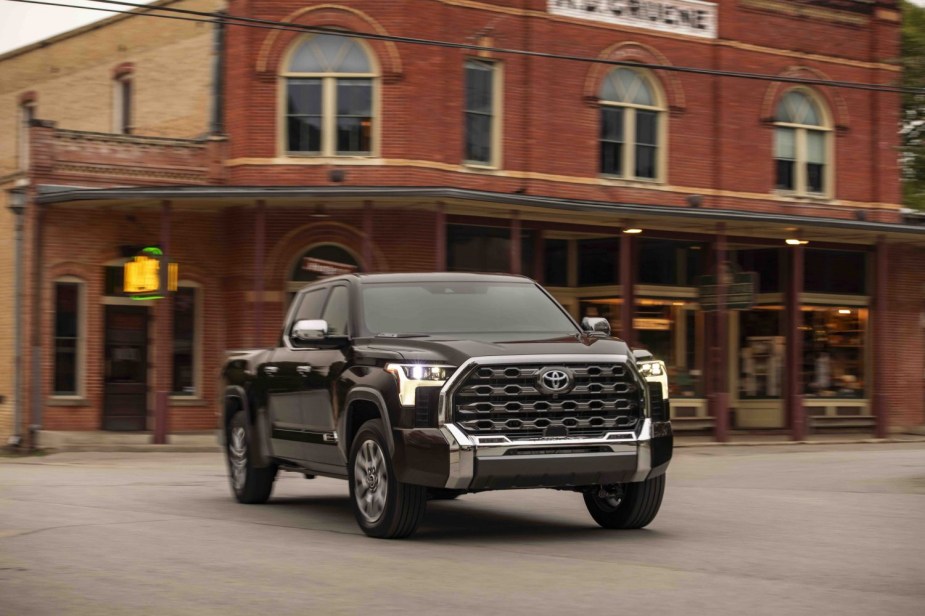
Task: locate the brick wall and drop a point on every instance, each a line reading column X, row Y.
column 904, row 368
column 719, row 130
column 71, row 77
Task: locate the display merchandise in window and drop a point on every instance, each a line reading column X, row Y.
column 761, row 353
column 833, row 352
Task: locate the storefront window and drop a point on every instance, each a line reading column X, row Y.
column 597, row 261
column 669, row 262
column 555, row 263
column 761, row 353
column 487, row 249
column 184, row 342
column 833, row 352
column 836, row 271
column 766, row 262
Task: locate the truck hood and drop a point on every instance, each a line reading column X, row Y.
column 456, row 351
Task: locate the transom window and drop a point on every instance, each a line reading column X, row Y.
column 801, row 137
column 329, row 84
column 630, row 125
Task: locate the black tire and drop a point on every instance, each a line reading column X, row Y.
column 637, row 509
column 249, row 484
column 443, row 494
column 390, row 514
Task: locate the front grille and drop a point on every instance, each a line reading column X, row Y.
column 507, row 400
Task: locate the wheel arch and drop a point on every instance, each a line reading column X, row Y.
column 361, row 405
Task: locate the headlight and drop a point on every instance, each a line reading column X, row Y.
column 411, row 376
column 654, row 371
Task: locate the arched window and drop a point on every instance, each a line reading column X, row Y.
column 329, row 83
column 631, row 125
column 801, row 144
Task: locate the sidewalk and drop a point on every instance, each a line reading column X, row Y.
column 196, row 442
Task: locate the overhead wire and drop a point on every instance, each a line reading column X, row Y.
column 146, row 10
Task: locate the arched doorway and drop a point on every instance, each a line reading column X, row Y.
column 320, row 261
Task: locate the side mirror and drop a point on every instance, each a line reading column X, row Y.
column 596, row 324
column 310, row 330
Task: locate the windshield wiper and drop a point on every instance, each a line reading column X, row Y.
column 408, row 335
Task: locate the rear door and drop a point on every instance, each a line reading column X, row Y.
column 284, row 375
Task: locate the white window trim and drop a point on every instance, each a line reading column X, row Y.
column 81, row 350
column 629, row 135
column 198, row 336
column 328, row 151
column 800, row 153
column 497, row 116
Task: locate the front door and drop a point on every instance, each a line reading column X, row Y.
column 125, row 386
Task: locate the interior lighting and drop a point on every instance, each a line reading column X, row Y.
column 632, row 230
column 844, row 311
column 792, row 241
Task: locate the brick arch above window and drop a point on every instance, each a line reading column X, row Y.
column 297, row 241
column 123, row 70
column 634, row 52
column 277, row 43
column 831, row 100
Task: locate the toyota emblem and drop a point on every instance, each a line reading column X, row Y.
column 554, row 380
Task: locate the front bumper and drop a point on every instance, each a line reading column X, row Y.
column 450, row 458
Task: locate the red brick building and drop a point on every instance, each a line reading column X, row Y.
column 620, row 187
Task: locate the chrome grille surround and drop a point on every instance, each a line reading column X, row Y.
column 499, row 396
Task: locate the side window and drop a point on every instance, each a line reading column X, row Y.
column 337, row 311
column 310, row 305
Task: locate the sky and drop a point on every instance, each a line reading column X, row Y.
column 22, row 24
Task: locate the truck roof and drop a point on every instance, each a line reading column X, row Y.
column 426, row 277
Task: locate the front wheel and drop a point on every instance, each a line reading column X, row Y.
column 250, row 484
column 384, row 507
column 636, row 507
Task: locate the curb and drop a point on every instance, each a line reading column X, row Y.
column 859, row 441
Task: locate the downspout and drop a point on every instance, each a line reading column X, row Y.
column 18, row 207
column 36, row 334
column 217, row 124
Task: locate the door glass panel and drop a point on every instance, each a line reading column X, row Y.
column 337, row 311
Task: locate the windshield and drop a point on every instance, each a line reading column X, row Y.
column 462, row 308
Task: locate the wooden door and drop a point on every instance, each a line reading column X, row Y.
column 125, row 387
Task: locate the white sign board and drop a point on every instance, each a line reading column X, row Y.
column 689, row 17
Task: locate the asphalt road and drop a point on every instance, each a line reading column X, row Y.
column 743, row 530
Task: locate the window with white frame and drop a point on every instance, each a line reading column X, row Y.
column 631, row 125
column 68, row 332
column 801, row 144
column 329, row 84
column 186, row 331
column 482, row 138
column 26, row 115
column 123, row 95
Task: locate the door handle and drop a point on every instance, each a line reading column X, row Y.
column 304, row 369
column 270, row 370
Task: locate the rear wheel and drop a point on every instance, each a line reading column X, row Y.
column 250, row 484
column 635, row 507
column 384, row 507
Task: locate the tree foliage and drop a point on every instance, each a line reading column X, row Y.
column 913, row 127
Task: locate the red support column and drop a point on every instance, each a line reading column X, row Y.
column 440, row 239
column 628, row 287
column 879, row 336
column 720, row 344
column 539, row 257
column 260, row 231
column 515, row 243
column 368, row 235
column 163, row 324
column 793, row 380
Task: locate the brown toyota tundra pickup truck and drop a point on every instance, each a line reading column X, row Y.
column 427, row 386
